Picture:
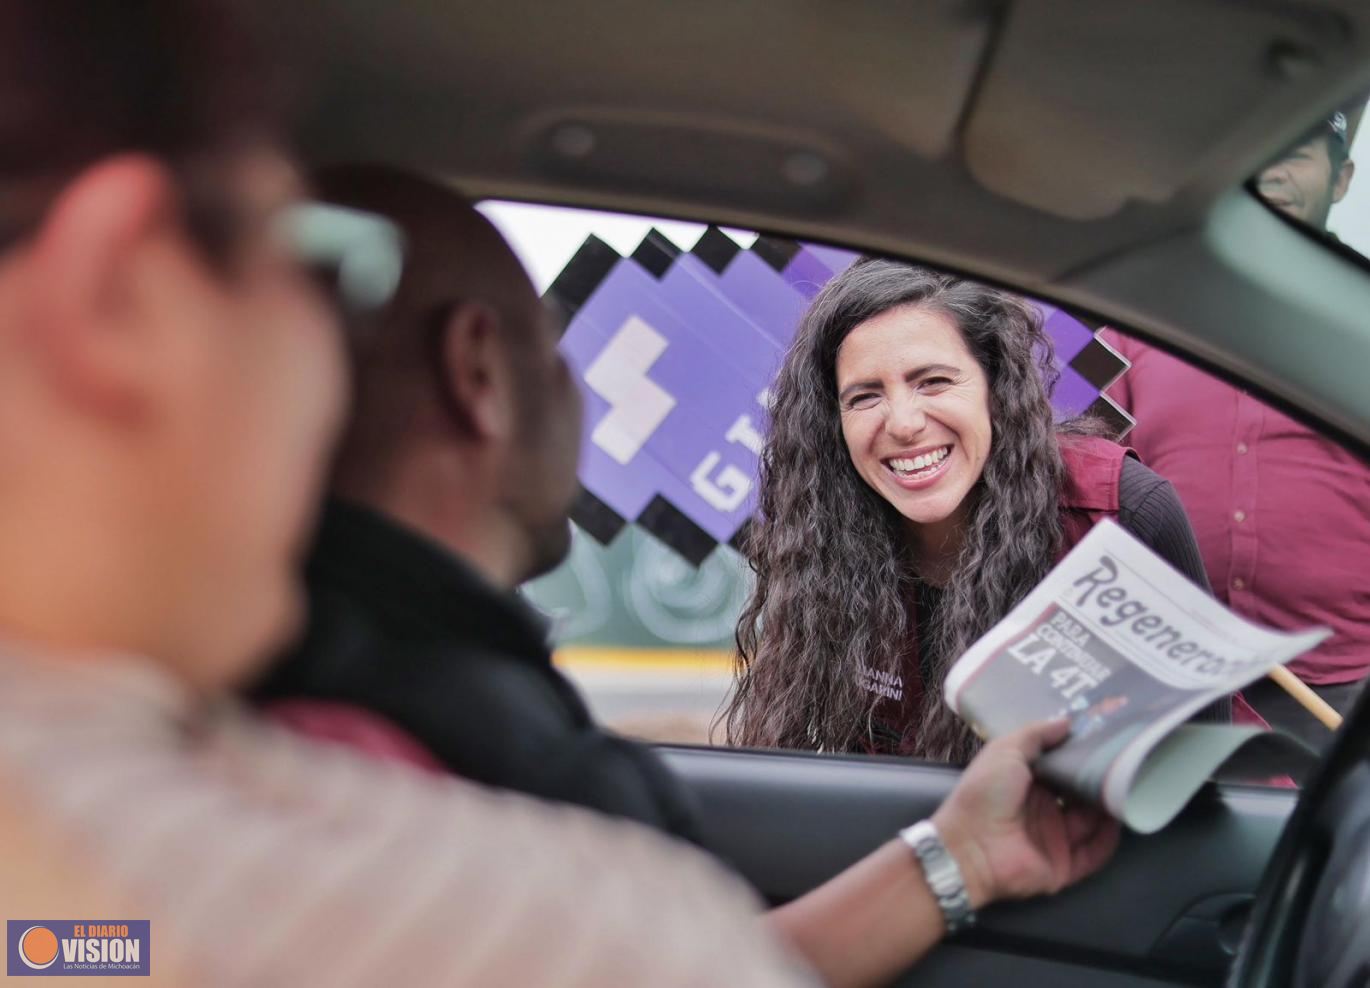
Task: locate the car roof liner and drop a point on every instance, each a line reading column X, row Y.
column 1187, row 89
column 1043, row 144
column 958, row 124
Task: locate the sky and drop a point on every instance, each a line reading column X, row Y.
column 546, row 237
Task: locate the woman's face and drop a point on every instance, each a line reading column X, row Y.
column 914, row 405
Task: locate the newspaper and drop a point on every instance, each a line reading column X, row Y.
column 1129, row 649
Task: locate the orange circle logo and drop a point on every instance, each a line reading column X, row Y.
column 38, row 947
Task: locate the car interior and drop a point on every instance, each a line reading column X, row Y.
column 1095, row 155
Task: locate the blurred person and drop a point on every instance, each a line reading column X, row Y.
column 1282, row 515
column 170, row 385
column 453, row 486
column 915, row 486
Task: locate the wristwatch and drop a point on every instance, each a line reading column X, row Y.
column 942, row 874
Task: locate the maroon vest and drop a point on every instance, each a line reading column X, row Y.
column 1093, row 467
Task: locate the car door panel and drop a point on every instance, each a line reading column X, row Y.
column 1166, row 911
column 955, row 966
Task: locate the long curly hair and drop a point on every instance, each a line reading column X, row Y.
column 834, row 572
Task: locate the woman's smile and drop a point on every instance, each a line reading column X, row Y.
column 919, row 471
column 914, row 406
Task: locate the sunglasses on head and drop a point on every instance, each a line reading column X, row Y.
column 357, row 255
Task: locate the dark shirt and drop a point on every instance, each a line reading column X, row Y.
column 1150, row 508
column 402, row 627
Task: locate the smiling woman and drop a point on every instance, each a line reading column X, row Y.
column 915, row 486
column 914, row 407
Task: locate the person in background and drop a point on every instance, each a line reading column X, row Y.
column 915, row 486
column 453, row 486
column 1282, row 515
column 1312, row 176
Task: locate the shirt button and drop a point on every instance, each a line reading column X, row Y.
column 1238, row 583
column 1239, row 516
column 1243, row 449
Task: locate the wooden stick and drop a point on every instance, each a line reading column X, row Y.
column 1309, row 700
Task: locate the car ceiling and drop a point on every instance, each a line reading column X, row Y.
column 1088, row 150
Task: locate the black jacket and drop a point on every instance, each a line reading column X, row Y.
column 404, row 628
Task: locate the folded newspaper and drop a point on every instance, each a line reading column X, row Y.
column 1129, row 649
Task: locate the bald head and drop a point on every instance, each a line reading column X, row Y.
column 452, row 252
column 466, row 423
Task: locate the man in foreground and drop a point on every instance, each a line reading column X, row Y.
column 172, row 385
column 453, row 486
column 171, row 389
column 1282, row 515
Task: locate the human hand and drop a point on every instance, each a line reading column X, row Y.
column 1011, row 837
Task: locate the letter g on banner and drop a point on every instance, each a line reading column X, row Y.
column 637, row 404
column 727, row 491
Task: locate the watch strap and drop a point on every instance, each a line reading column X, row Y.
column 942, row 873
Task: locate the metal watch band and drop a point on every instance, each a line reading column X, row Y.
column 942, row 874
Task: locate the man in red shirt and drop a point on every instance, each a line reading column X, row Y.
column 1282, row 515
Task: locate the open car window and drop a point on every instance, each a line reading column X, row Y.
column 676, row 332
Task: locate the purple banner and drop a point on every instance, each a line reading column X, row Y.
column 676, row 352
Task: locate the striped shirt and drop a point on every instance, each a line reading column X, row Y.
column 266, row 859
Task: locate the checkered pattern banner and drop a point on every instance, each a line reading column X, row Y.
column 675, row 351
